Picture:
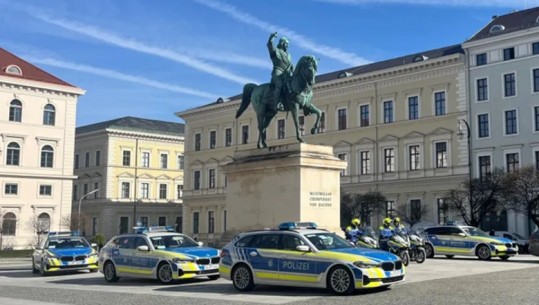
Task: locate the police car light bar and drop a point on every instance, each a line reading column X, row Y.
column 297, row 225
column 143, row 230
column 63, row 233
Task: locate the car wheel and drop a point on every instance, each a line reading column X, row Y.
column 164, row 273
column 42, row 269
column 504, row 258
column 340, row 281
column 242, row 278
column 429, row 251
column 213, row 277
column 483, row 252
column 34, row 269
column 405, row 257
column 110, row 272
column 449, row 256
column 420, row 256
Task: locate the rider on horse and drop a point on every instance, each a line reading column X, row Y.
column 282, row 68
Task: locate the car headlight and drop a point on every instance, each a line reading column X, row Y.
column 182, row 260
column 365, row 265
column 92, row 255
column 50, row 255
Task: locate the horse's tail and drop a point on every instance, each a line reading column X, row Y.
column 246, row 98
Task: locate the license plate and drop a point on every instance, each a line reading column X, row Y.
column 395, row 273
column 208, row 267
column 75, row 263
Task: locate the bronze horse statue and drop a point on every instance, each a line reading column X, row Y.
column 297, row 95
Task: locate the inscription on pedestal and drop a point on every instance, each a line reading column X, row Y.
column 320, row 199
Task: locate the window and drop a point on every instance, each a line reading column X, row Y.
column 224, row 220
column 125, row 189
column 87, row 159
column 179, row 191
column 342, row 157
column 484, row 167
column 144, row 190
column 388, row 111
column 413, row 108
column 536, row 115
column 228, row 137
column 212, row 139
column 75, row 192
column 211, row 178
column 390, row 208
column 198, row 139
column 13, row 154
column 181, row 162
column 512, row 162
column 244, row 134
column 535, row 48
column 98, row 158
column 441, row 154
column 195, row 222
column 49, row 115
column 43, row 223
column 481, row 59
column 77, row 161
column 537, row 160
column 85, row 189
column 442, row 211
column 45, row 190
column 124, row 224
column 179, row 224
column 482, row 125
column 508, row 53
column 415, row 209
column 95, row 221
column 164, row 161
column 301, row 123
column 96, row 187
column 511, row 122
column 196, row 180
column 162, row 221
column 509, row 84
column 11, row 189
column 322, row 126
column 280, row 129
column 15, row 111
column 389, row 160
column 482, row 89
column 365, row 161
column 341, row 119
column 439, row 103
column 364, row 116
column 145, row 159
column 126, row 160
column 211, row 222
column 144, row 221
column 414, row 157
column 47, row 156
column 162, row 191
column 9, row 224
column 535, row 80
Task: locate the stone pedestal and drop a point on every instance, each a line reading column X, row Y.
column 296, row 182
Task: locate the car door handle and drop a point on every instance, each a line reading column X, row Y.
column 253, row 253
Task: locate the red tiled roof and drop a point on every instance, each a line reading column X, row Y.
column 29, row 71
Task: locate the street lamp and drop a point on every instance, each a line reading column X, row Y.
column 468, row 135
column 80, row 202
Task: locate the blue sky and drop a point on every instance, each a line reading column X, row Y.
column 151, row 59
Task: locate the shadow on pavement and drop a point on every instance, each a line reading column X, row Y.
column 519, row 259
column 29, row 274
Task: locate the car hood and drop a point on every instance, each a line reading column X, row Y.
column 70, row 251
column 195, row 252
column 504, row 240
column 374, row 255
column 492, row 239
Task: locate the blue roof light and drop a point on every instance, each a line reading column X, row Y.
column 291, row 225
column 144, row 230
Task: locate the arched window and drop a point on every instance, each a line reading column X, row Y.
column 12, row 69
column 15, row 111
column 47, row 156
column 497, row 28
column 13, row 154
column 49, row 115
column 9, row 224
column 43, row 223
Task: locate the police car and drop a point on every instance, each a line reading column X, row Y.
column 157, row 252
column 469, row 241
column 298, row 254
column 62, row 251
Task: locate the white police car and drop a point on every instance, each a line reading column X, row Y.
column 298, row 254
column 63, row 251
column 157, row 252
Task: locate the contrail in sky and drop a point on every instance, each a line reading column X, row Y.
column 134, row 45
column 120, row 76
column 465, row 3
column 303, row 42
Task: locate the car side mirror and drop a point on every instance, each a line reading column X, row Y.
column 303, row 248
column 200, row 243
column 143, row 248
column 462, row 235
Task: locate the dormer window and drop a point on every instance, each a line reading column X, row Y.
column 220, row 100
column 497, row 28
column 537, row 20
column 12, row 69
column 420, row 58
column 345, row 74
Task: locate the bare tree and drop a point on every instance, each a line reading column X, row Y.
column 363, row 206
column 486, row 197
column 522, row 192
column 412, row 214
column 39, row 229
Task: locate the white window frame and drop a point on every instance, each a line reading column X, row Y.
column 489, row 126
column 512, row 151
column 408, row 107
column 504, row 125
column 337, row 118
column 209, row 139
column 359, row 124
column 476, row 91
column 446, row 98
column 142, row 158
column 503, row 85
column 408, row 156
column 477, row 166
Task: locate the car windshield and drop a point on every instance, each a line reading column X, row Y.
column 328, row 241
column 172, row 241
column 67, row 243
column 475, row 232
column 518, row 236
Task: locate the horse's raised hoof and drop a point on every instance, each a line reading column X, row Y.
column 313, row 130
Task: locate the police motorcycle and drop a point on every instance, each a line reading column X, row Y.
column 397, row 243
column 417, row 246
column 364, row 238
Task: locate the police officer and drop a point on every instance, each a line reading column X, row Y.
column 385, row 232
column 353, row 230
column 398, row 227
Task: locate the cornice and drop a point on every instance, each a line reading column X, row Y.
column 143, row 135
column 39, row 88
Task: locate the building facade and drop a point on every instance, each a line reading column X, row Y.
column 395, row 122
column 37, row 132
column 503, row 77
column 136, row 166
